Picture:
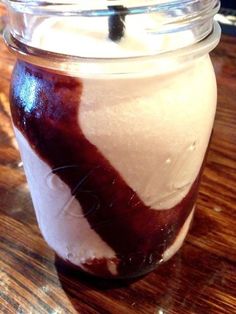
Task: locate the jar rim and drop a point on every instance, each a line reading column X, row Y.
column 88, row 67
column 153, row 29
column 156, row 21
column 101, row 8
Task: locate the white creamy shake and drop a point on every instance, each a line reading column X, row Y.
column 153, row 130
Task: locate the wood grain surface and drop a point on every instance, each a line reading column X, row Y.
column 200, row 279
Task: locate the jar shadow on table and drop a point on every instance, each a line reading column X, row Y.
column 181, row 284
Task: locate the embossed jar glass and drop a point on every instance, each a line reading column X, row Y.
column 113, row 104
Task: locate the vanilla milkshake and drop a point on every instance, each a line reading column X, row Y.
column 113, row 160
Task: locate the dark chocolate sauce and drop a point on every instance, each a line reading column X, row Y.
column 45, row 109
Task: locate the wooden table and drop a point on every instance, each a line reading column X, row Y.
column 200, row 279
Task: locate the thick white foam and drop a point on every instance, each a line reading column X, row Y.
column 59, row 215
column 88, row 36
column 154, row 131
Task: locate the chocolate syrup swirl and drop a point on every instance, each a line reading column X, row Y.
column 45, row 108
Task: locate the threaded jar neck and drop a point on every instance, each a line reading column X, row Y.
column 109, row 30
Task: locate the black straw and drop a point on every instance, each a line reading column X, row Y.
column 116, row 22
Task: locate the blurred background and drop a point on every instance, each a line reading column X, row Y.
column 227, row 17
column 229, row 3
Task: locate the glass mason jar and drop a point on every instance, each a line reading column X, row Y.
column 113, row 104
